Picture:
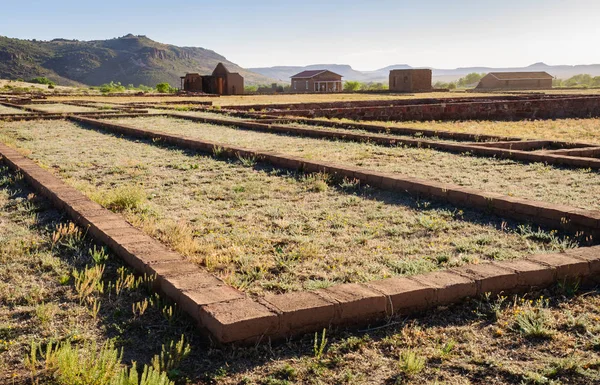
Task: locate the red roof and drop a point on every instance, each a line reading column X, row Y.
column 311, row 74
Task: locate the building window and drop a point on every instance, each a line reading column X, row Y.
column 395, row 78
column 294, row 84
column 306, row 87
column 406, row 79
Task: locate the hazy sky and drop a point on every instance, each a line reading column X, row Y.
column 365, row 34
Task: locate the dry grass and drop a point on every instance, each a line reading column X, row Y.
column 263, row 230
column 10, row 110
column 572, row 130
column 55, row 289
column 298, row 98
column 480, row 341
column 272, row 99
column 577, row 187
column 457, row 346
column 474, row 342
column 59, row 108
column 38, row 87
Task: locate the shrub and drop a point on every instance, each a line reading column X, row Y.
column 351, row 86
column 111, row 87
column 42, row 80
column 165, row 88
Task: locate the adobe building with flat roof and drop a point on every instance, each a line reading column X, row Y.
column 516, row 81
column 410, row 80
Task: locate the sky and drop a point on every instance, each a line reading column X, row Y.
column 365, row 34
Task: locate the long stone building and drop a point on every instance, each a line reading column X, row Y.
column 516, row 81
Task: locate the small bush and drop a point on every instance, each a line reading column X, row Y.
column 111, row 87
column 165, row 88
column 351, row 86
column 42, row 80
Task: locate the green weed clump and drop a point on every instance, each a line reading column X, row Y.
column 123, row 198
column 171, row 356
column 149, row 376
column 532, row 319
column 411, row 363
column 88, row 364
column 316, row 182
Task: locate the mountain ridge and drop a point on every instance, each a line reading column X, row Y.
column 439, row 74
column 129, row 59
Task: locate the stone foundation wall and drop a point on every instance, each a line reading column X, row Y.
column 584, row 107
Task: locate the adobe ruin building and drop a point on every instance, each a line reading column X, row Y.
column 516, row 81
column 317, row 81
column 410, row 80
column 221, row 82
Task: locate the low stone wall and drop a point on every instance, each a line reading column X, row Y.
column 393, row 102
column 550, row 108
column 517, row 150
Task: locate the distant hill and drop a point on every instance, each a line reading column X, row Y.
column 129, row 59
column 381, row 75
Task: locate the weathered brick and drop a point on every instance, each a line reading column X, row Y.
column 450, row 287
column 589, row 254
column 490, row 278
column 302, row 311
column 566, row 267
column 530, row 273
column 354, row 302
column 238, row 320
column 404, row 294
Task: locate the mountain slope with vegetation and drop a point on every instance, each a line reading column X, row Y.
column 129, row 59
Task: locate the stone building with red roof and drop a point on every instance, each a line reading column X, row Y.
column 316, row 81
